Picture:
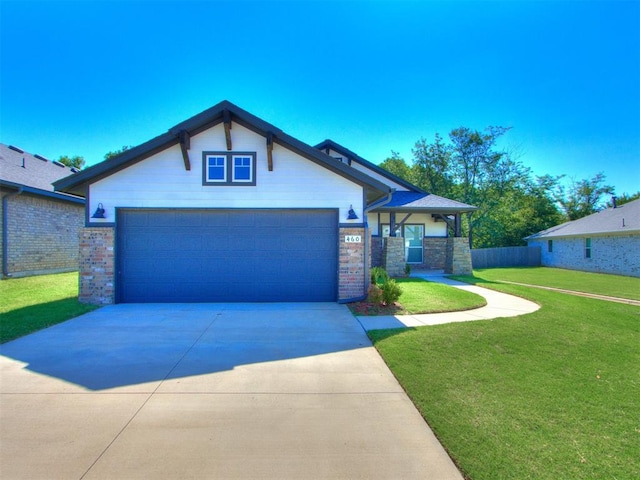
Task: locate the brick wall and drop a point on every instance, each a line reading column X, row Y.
column 435, row 253
column 435, row 250
column 42, row 235
column 351, row 271
column 615, row 254
column 97, row 266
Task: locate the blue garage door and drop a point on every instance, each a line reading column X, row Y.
column 180, row 255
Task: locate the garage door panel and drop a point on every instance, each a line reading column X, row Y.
column 227, row 255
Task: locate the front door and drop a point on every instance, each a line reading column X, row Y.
column 413, row 235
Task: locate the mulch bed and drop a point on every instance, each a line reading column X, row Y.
column 370, row 309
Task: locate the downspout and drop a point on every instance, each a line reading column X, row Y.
column 366, row 236
column 5, row 232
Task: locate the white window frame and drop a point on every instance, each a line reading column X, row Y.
column 250, row 166
column 208, row 179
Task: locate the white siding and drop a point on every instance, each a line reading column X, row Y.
column 431, row 228
column 162, row 181
column 358, row 166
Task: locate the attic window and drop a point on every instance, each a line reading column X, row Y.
column 229, row 168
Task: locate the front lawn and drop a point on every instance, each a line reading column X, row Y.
column 598, row 283
column 549, row 395
column 33, row 303
column 421, row 296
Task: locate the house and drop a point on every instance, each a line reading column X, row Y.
column 226, row 207
column 40, row 227
column 606, row 242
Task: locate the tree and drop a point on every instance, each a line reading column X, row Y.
column 583, row 197
column 72, row 162
column 432, row 166
column 481, row 171
column 115, row 153
column 396, row 165
column 623, row 198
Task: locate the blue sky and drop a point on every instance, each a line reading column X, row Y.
column 87, row 77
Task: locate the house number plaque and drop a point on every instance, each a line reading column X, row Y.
column 352, row 239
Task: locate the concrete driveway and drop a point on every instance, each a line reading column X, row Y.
column 209, row 391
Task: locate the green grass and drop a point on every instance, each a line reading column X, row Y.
column 421, row 296
column 599, row 283
column 549, row 395
column 33, row 303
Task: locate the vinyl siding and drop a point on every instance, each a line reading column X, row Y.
column 162, row 181
column 431, row 228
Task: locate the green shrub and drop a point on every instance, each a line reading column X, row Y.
column 375, row 294
column 391, row 292
column 379, row 276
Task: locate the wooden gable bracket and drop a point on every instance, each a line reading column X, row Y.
column 226, row 118
column 185, row 145
column 270, row 151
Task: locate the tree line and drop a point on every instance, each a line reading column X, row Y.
column 512, row 203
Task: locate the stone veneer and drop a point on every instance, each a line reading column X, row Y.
column 393, row 256
column 458, row 256
column 97, row 266
column 42, row 234
column 352, row 281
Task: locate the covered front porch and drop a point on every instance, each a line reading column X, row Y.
column 421, row 230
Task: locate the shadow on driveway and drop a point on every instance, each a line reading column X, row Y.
column 131, row 344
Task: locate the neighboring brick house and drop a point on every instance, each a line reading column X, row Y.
column 606, row 242
column 40, row 227
column 227, row 207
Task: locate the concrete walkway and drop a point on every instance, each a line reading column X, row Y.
column 269, row 391
column 498, row 305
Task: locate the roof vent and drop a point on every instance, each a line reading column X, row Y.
column 16, row 149
column 40, row 157
column 74, row 170
column 614, row 202
column 55, row 162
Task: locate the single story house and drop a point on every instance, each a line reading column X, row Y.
column 40, row 227
column 226, row 207
column 606, row 242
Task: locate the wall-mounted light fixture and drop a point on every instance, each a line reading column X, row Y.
column 352, row 214
column 99, row 213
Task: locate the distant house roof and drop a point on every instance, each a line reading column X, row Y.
column 203, row 121
column 623, row 219
column 33, row 173
column 415, row 199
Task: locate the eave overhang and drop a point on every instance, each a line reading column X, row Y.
column 77, row 183
column 43, row 193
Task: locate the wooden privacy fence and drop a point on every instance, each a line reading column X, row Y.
column 506, row 257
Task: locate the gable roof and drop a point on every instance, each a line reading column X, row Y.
column 415, row 199
column 330, row 144
column 33, row 173
column 203, row 121
column 620, row 220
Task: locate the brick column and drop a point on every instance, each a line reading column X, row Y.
column 351, row 271
column 97, row 266
column 458, row 258
column 393, row 256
